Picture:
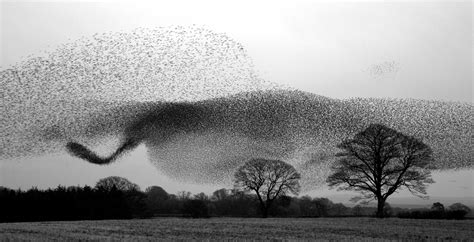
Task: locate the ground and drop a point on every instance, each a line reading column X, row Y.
column 242, row 228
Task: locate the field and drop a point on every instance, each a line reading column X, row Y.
column 242, row 228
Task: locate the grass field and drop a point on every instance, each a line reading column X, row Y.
column 242, row 228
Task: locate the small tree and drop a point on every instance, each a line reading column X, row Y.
column 201, row 196
column 220, row 195
column 459, row 206
column 378, row 161
column 458, row 211
column 156, row 199
column 269, row 179
column 183, row 195
column 119, row 183
column 437, row 206
column 156, row 193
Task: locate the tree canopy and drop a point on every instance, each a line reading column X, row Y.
column 119, row 183
column 269, row 179
column 380, row 160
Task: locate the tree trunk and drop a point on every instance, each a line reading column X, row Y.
column 380, row 205
column 265, row 212
column 265, row 206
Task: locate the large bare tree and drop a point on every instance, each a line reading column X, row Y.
column 269, row 179
column 378, row 161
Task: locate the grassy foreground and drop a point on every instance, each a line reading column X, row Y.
column 242, row 228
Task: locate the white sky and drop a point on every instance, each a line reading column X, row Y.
column 327, row 47
column 331, row 48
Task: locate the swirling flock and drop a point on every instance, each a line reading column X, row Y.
column 201, row 107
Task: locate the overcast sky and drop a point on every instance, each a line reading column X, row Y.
column 419, row 50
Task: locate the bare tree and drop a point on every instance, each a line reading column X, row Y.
column 183, row 195
column 269, row 179
column 202, row 196
column 378, row 161
column 220, row 194
column 119, row 183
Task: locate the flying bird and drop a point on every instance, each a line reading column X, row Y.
column 193, row 98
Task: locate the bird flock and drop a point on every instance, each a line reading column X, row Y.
column 194, row 99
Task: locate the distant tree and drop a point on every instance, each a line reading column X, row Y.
column 387, row 210
column 322, row 206
column 306, row 206
column 220, row 204
column 269, row 179
column 241, row 203
column 459, row 206
column 280, row 206
column 338, row 209
column 156, row 199
column 116, row 182
column 220, row 194
column 156, row 192
column 378, row 161
column 437, row 206
column 183, row 195
column 201, row 196
column 458, row 211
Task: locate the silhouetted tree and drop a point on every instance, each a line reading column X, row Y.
column 457, row 211
column 437, row 206
column 201, row 196
column 220, row 202
column 306, row 206
column 378, row 161
column 322, row 206
column 220, row 194
column 437, row 211
column 337, row 210
column 460, row 206
column 183, row 195
column 156, row 199
column 242, row 204
column 156, row 193
column 269, row 179
column 120, row 183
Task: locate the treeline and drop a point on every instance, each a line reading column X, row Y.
column 102, row 202
column 87, row 203
column 71, row 203
column 437, row 211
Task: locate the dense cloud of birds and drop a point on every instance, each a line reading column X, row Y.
column 193, row 98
